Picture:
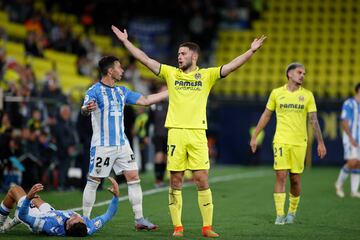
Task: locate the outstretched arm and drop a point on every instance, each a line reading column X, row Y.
column 152, row 98
column 240, row 60
column 315, row 124
column 150, row 63
column 263, row 121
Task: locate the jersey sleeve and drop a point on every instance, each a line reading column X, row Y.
column 346, row 111
column 214, row 74
column 98, row 222
column 271, row 103
column 311, row 105
column 165, row 71
column 131, row 97
column 90, row 95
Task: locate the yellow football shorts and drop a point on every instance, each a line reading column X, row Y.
column 290, row 157
column 187, row 149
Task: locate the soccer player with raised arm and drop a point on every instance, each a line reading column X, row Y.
column 293, row 104
column 41, row 217
column 110, row 148
column 350, row 124
column 189, row 88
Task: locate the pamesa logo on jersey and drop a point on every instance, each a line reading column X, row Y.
column 292, row 106
column 188, row 85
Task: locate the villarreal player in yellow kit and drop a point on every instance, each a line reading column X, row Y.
column 293, row 104
column 189, row 88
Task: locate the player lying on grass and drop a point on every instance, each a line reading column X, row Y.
column 40, row 217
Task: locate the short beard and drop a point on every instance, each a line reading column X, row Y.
column 186, row 66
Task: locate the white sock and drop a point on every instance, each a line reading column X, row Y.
column 89, row 196
column 344, row 173
column 4, row 210
column 135, row 198
column 354, row 181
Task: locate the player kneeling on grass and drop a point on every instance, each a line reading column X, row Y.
column 40, row 217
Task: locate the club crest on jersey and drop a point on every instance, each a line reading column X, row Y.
column 197, row 76
column 98, row 224
column 86, row 98
column 301, row 98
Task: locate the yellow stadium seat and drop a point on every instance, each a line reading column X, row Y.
column 4, row 16
column 60, row 56
column 72, row 82
column 14, row 30
column 41, row 66
column 103, row 42
column 15, row 48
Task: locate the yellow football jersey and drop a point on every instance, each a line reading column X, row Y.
column 188, row 95
column 291, row 114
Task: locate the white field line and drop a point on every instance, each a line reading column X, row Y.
column 226, row 178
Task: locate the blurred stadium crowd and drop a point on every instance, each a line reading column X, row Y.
column 43, row 137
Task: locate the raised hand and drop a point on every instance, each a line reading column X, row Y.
column 257, row 43
column 34, row 190
column 122, row 36
column 114, row 189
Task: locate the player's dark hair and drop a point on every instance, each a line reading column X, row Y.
column 192, row 46
column 357, row 87
column 77, row 230
column 292, row 66
column 105, row 63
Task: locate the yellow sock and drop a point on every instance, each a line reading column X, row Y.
column 279, row 199
column 175, row 206
column 206, row 206
column 293, row 203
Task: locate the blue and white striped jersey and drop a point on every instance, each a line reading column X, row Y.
column 53, row 223
column 351, row 113
column 108, row 119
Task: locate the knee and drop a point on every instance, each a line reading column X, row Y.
column 176, row 182
column 352, row 164
column 131, row 176
column 202, row 183
column 15, row 189
column 295, row 182
column 94, row 179
column 281, row 179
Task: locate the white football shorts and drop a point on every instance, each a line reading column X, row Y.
column 104, row 159
column 33, row 211
column 351, row 152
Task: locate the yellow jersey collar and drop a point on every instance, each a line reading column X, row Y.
column 286, row 89
column 196, row 69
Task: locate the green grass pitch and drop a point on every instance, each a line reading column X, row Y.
column 243, row 209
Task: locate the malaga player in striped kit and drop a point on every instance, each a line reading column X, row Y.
column 41, row 217
column 189, row 88
column 292, row 104
column 350, row 123
column 110, row 148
